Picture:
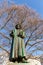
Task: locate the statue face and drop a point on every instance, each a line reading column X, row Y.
column 18, row 26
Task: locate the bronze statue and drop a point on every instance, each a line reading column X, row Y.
column 18, row 52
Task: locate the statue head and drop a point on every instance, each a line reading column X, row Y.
column 18, row 26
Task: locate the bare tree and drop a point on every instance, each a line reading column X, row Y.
column 31, row 23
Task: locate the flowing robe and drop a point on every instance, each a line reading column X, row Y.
column 18, row 45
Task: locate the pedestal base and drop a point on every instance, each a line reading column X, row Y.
column 19, row 64
column 30, row 62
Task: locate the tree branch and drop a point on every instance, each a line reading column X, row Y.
column 4, row 49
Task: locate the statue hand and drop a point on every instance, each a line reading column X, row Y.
column 21, row 36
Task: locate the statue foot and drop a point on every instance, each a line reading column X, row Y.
column 24, row 61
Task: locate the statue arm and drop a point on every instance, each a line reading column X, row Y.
column 11, row 34
column 22, row 34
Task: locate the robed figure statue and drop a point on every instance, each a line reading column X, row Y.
column 18, row 52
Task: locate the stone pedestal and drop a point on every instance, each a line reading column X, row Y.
column 19, row 64
column 24, row 63
column 30, row 62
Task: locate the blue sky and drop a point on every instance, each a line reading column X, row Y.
column 34, row 4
